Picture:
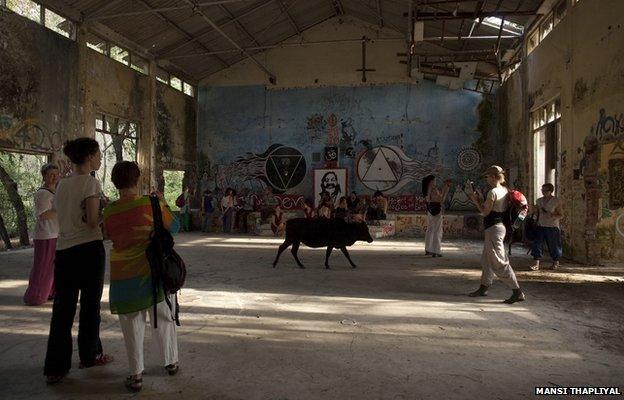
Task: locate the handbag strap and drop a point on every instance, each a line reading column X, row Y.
column 157, row 214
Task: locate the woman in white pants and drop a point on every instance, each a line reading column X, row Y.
column 435, row 199
column 128, row 223
column 494, row 259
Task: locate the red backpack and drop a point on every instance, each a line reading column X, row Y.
column 518, row 201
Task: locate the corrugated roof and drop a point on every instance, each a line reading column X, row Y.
column 174, row 29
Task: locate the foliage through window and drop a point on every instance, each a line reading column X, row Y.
column 24, row 170
column 118, row 139
column 119, row 54
column 25, row 8
column 173, row 186
column 59, row 24
column 38, row 13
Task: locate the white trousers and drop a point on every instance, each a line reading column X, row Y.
column 433, row 235
column 164, row 337
column 494, row 260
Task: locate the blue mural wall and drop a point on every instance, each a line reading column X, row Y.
column 387, row 137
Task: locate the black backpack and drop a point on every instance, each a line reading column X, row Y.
column 168, row 268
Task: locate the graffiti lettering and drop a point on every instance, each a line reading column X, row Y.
column 616, row 183
column 30, row 135
column 407, row 203
column 609, row 126
column 393, row 139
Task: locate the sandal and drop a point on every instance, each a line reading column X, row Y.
column 54, row 379
column 133, row 383
column 100, row 360
column 172, row 369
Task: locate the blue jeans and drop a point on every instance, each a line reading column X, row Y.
column 552, row 237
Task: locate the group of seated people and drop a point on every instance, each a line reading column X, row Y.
column 352, row 208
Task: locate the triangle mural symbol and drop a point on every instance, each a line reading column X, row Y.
column 285, row 167
column 379, row 170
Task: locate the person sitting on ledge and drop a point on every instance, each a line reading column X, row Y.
column 325, row 208
column 378, row 207
column 278, row 222
column 342, row 212
column 309, row 210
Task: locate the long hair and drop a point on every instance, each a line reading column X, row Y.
column 425, row 184
column 323, row 187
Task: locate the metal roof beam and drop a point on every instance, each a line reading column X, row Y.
column 94, row 15
column 290, row 18
column 176, row 46
column 380, row 14
column 239, row 25
column 337, row 6
column 179, row 29
column 425, row 16
column 270, row 74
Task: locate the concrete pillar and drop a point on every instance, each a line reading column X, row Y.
column 85, row 111
column 147, row 140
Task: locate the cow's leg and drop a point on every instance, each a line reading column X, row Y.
column 294, row 250
column 346, row 253
column 281, row 249
column 327, row 254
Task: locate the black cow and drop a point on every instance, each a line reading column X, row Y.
column 333, row 233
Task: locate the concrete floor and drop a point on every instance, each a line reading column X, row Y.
column 398, row 327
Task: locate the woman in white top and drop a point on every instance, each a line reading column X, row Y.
column 494, row 259
column 79, row 265
column 41, row 283
column 549, row 214
column 435, row 199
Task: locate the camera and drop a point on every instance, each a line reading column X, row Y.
column 469, row 186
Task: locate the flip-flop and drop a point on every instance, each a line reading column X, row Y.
column 134, row 384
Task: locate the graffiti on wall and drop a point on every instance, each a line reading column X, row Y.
column 616, row 177
column 281, row 167
column 28, row 134
column 609, row 126
column 406, row 203
column 388, row 168
column 316, row 126
column 468, row 159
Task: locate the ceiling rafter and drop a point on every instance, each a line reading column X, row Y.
column 292, row 21
column 239, row 24
column 174, row 47
column 180, row 29
column 98, row 15
column 271, row 75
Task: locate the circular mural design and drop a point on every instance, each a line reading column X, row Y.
column 468, row 159
column 285, row 168
column 380, row 168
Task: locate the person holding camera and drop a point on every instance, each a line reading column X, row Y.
column 494, row 259
column 548, row 216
